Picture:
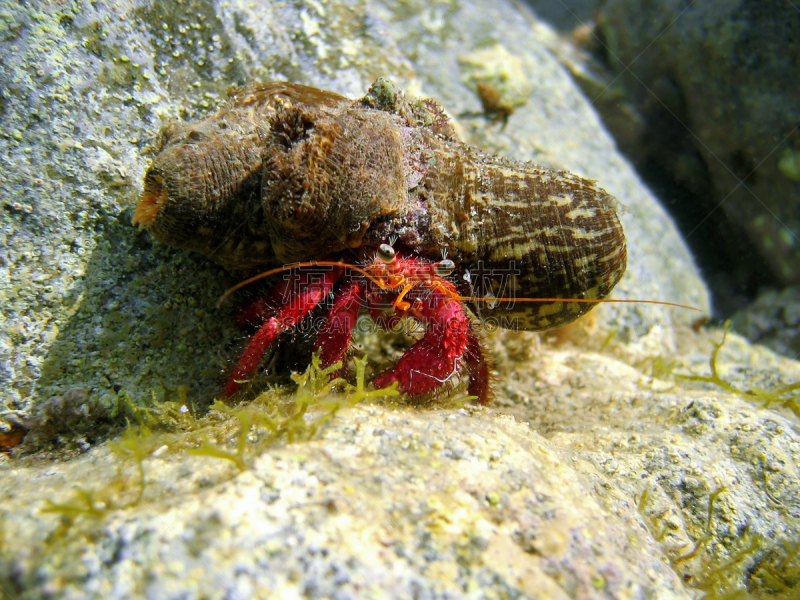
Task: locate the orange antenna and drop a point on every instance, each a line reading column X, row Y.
column 585, row 300
column 313, row 263
column 384, row 286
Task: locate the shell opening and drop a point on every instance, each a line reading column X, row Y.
column 153, row 198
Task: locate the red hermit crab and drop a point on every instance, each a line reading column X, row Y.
column 392, row 286
column 375, row 203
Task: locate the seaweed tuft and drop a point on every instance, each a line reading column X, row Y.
column 234, row 433
column 269, row 418
column 787, row 395
column 746, row 570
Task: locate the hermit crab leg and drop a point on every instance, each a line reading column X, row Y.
column 335, row 335
column 436, row 357
column 478, row 368
column 295, row 300
column 448, row 343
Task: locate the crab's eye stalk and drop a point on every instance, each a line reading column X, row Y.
column 444, row 267
column 386, row 253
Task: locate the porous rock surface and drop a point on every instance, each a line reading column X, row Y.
column 588, row 479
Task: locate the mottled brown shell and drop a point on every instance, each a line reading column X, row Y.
column 203, row 190
column 521, row 230
column 286, row 173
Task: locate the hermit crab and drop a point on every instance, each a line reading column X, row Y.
column 374, row 204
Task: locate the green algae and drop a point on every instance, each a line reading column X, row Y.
column 787, row 395
column 298, row 419
column 789, row 164
column 238, row 434
column 721, row 571
column 749, row 568
column 779, row 574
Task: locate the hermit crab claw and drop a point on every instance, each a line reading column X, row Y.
column 395, row 285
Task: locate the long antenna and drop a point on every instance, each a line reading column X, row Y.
column 459, row 298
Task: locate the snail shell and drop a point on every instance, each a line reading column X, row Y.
column 286, row 173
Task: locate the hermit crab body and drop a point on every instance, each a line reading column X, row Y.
column 286, row 174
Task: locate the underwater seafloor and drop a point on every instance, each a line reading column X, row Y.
column 631, row 456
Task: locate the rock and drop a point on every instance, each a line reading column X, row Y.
column 565, row 16
column 592, row 479
column 96, row 304
column 773, row 320
column 716, row 87
column 562, row 488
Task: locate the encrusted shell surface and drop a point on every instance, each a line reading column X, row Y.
column 286, row 173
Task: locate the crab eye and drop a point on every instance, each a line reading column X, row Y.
column 444, row 268
column 386, row 253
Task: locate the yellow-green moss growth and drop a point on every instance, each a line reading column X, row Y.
column 787, row 395
column 720, row 572
column 234, row 433
column 744, row 571
column 268, row 418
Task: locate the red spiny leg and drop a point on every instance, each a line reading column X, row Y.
column 334, row 337
column 478, row 369
column 257, row 312
column 295, row 298
column 430, row 362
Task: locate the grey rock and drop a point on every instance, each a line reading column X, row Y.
column 484, row 510
column 717, row 83
column 628, row 488
column 773, row 320
column 90, row 302
column 567, row 15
